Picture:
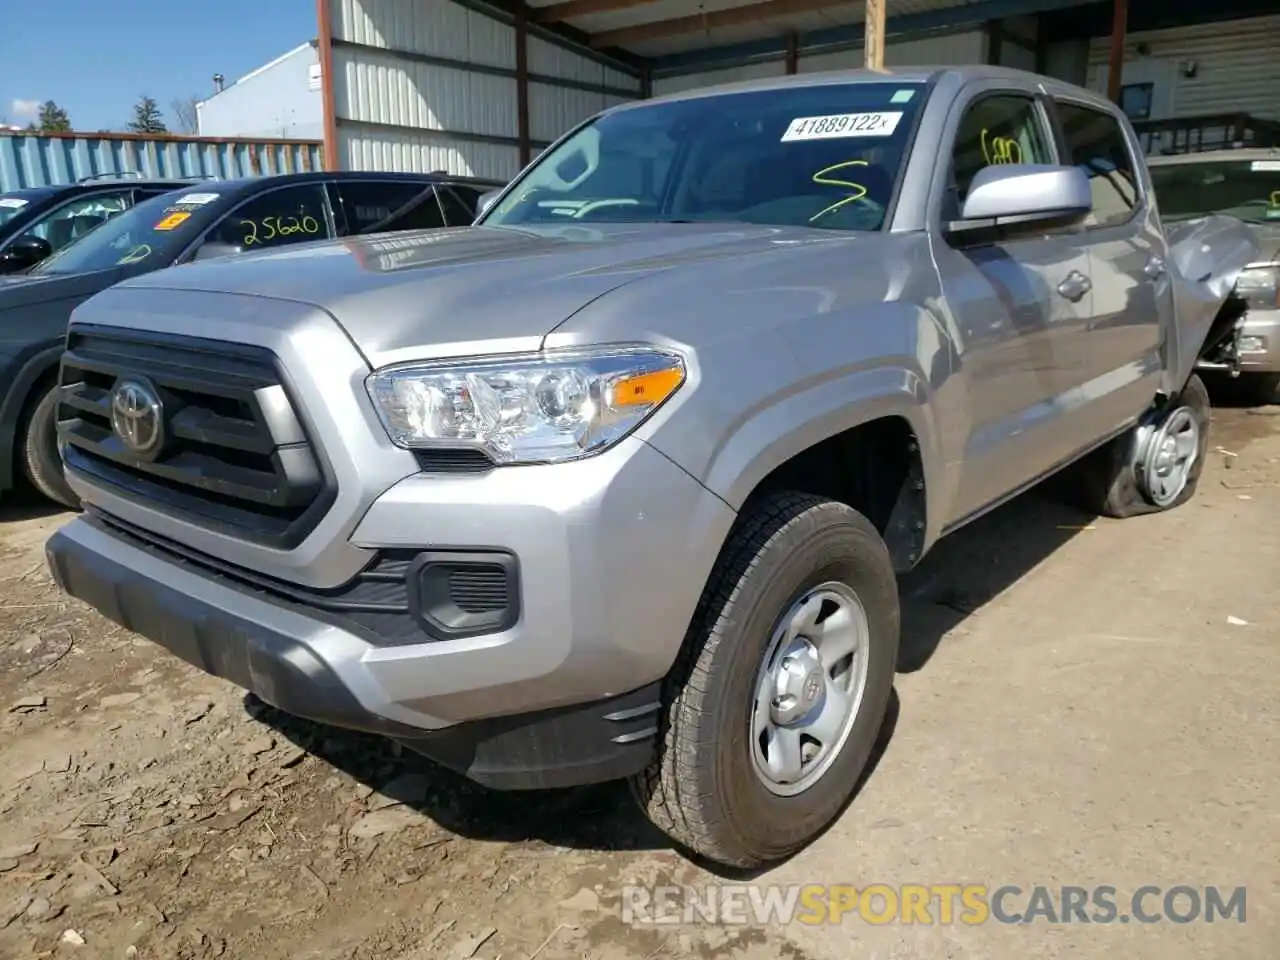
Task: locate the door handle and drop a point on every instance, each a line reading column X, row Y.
column 1155, row 268
column 1075, row 286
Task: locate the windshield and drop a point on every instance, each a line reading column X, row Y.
column 10, row 206
column 1247, row 189
column 152, row 233
column 824, row 156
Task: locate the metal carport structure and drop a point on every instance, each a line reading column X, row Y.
column 480, row 86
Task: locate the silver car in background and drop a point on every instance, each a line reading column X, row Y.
column 1244, row 184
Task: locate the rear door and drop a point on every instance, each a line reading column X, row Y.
column 1019, row 304
column 1127, row 261
column 367, row 206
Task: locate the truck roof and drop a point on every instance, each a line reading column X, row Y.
column 912, row 74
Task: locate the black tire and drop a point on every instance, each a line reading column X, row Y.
column 1106, row 482
column 41, row 462
column 702, row 789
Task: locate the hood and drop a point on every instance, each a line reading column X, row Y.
column 25, row 291
column 452, row 292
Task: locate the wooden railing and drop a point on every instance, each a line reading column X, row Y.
column 1221, row 131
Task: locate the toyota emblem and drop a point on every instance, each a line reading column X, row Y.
column 137, row 417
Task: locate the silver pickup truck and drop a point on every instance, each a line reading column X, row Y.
column 617, row 483
column 1244, row 184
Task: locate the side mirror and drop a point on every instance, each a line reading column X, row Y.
column 1024, row 193
column 26, row 251
column 213, row 249
column 486, row 200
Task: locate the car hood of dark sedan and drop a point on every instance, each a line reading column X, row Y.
column 26, row 290
column 398, row 293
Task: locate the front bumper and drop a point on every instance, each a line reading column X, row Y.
column 613, row 552
column 1259, row 342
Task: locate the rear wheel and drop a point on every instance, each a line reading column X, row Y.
column 774, row 709
column 41, row 461
column 1155, row 466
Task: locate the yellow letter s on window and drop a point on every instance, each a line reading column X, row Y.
column 823, row 177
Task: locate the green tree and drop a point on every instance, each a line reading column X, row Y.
column 53, row 119
column 147, row 117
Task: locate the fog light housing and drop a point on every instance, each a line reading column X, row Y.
column 464, row 593
column 1250, row 343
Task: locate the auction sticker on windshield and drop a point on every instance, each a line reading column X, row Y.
column 196, row 199
column 1265, row 166
column 842, row 125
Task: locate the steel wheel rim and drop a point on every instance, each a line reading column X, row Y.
column 1173, row 452
column 809, row 688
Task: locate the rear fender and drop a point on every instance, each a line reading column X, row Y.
column 1206, row 256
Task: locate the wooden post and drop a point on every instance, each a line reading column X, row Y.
column 793, row 54
column 522, row 84
column 873, row 50
column 324, row 50
column 1115, row 63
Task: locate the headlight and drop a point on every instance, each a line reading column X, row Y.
column 534, row 408
column 1259, row 286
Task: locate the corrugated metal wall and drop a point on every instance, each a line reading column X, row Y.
column 30, row 160
column 955, row 48
column 1237, row 67
column 430, row 85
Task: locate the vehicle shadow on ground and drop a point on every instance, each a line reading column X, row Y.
column 968, row 569
column 963, row 573
column 20, row 505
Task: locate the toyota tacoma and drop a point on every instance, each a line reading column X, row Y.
column 617, row 482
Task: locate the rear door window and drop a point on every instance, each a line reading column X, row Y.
column 1096, row 144
column 367, row 205
column 276, row 218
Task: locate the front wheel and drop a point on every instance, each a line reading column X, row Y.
column 775, row 706
column 41, row 461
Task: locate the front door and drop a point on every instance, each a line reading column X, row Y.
column 1020, row 304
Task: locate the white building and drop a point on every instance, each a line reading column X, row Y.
column 281, row 100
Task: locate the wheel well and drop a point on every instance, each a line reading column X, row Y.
column 875, row 468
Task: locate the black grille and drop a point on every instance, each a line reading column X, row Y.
column 233, row 451
column 453, row 461
column 479, row 587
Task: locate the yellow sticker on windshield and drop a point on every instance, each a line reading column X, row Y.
column 173, row 220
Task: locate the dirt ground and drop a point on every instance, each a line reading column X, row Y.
column 1081, row 701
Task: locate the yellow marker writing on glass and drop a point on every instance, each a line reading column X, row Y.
column 136, row 255
column 1275, row 198
column 823, row 177
column 1000, row 149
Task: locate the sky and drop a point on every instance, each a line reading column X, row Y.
column 95, row 59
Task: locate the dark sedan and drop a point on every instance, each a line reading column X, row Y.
column 209, row 219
